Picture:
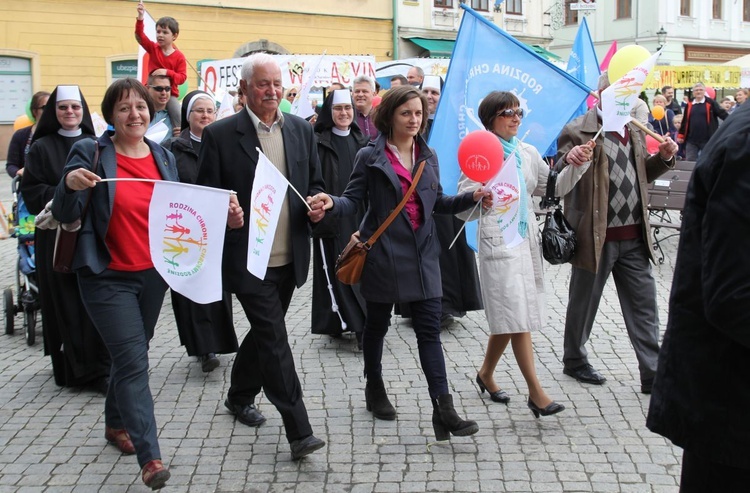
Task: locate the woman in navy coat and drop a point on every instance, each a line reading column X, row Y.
column 403, row 265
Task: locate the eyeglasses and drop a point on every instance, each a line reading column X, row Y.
column 65, row 107
column 204, row 111
column 510, row 112
column 160, row 88
column 292, row 95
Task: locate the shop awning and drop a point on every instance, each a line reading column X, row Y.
column 443, row 48
column 438, row 48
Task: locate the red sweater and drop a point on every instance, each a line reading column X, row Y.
column 175, row 63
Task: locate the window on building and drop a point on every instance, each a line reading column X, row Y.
column 480, row 5
column 624, row 9
column 571, row 16
column 15, row 87
column 717, row 9
column 685, row 9
column 444, row 4
column 745, row 10
column 513, row 7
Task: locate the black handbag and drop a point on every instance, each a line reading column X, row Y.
column 558, row 237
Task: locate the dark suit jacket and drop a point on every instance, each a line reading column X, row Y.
column 227, row 160
column 92, row 253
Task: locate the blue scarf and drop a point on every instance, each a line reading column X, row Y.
column 508, row 148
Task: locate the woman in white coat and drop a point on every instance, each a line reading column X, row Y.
column 512, row 278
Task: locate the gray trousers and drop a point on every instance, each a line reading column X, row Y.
column 628, row 262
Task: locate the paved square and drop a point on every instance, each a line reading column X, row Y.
column 52, row 439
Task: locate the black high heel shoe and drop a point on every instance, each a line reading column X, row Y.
column 500, row 396
column 552, row 408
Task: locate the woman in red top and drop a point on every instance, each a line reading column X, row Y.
column 122, row 291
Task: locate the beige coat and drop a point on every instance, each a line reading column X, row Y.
column 512, row 279
column 587, row 204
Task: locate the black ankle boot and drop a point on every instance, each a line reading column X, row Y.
column 445, row 420
column 377, row 400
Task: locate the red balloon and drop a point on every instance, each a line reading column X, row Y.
column 652, row 145
column 711, row 92
column 480, row 155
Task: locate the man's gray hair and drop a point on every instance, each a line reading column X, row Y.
column 603, row 82
column 365, row 79
column 699, row 84
column 255, row 60
column 420, row 71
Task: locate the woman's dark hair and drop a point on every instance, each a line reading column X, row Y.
column 121, row 88
column 493, row 103
column 36, row 99
column 383, row 113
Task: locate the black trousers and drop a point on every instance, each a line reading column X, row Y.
column 426, row 322
column 264, row 360
column 702, row 476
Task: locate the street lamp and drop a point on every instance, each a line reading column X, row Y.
column 661, row 37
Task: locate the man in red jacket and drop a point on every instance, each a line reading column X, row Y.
column 700, row 122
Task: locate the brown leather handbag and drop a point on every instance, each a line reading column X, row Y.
column 66, row 241
column 350, row 263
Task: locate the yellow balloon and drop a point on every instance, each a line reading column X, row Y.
column 625, row 60
column 657, row 112
column 21, row 122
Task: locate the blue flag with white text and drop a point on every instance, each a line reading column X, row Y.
column 485, row 59
column 583, row 64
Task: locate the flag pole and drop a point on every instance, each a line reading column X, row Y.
column 650, row 132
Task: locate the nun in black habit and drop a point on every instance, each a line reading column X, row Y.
column 339, row 140
column 79, row 357
column 205, row 330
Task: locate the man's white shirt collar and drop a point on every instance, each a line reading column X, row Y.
column 259, row 125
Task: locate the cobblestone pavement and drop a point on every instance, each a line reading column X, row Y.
column 52, row 439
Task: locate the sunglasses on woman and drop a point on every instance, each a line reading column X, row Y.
column 510, row 112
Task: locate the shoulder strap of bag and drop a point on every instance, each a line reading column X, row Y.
column 549, row 199
column 370, row 242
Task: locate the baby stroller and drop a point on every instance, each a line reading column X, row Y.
column 21, row 225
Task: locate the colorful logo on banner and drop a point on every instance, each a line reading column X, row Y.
column 263, row 202
column 185, row 240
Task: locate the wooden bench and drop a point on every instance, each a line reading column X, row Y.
column 666, row 198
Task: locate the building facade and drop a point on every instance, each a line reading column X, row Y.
column 44, row 43
column 698, row 36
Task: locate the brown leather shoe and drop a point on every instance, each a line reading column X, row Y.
column 154, row 474
column 120, row 439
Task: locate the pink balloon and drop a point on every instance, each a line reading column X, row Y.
column 652, row 145
column 480, row 155
column 711, row 92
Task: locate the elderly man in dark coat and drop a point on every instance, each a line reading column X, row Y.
column 228, row 159
column 701, row 396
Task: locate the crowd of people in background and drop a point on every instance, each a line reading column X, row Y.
column 355, row 160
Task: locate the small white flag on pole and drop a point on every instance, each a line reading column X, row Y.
column 301, row 106
column 157, row 132
column 226, row 108
column 506, row 201
column 269, row 193
column 149, row 29
column 619, row 98
column 186, row 226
